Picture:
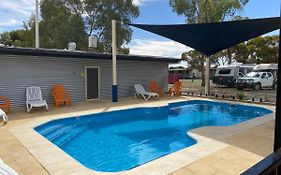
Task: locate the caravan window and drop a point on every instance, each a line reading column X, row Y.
column 224, row 71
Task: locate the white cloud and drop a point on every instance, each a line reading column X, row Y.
column 141, row 2
column 20, row 7
column 14, row 12
column 157, row 48
column 10, row 22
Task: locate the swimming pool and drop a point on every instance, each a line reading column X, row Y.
column 120, row 140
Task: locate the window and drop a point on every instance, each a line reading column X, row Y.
column 224, row 71
column 263, row 75
column 253, row 74
column 240, row 75
column 269, row 75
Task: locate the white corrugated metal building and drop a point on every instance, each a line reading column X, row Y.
column 85, row 75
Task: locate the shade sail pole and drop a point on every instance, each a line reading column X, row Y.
column 207, row 76
column 36, row 24
column 277, row 128
column 114, row 70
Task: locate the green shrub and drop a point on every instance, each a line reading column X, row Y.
column 240, row 95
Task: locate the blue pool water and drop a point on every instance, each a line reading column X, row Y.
column 120, row 140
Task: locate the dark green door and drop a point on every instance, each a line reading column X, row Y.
column 92, row 83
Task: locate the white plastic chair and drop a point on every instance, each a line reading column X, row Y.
column 141, row 91
column 6, row 170
column 4, row 115
column 34, row 98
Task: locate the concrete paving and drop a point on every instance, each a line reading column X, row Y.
column 220, row 150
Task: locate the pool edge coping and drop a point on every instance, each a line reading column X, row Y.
column 48, row 154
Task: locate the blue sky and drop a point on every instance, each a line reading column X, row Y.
column 13, row 12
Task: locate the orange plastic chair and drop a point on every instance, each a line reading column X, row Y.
column 60, row 95
column 176, row 89
column 5, row 103
column 153, row 86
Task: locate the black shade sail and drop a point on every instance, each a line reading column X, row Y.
column 210, row 38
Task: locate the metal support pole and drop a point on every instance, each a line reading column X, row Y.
column 207, row 76
column 277, row 132
column 277, row 128
column 36, row 24
column 114, row 71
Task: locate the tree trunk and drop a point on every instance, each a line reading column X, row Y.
column 203, row 79
column 229, row 55
column 203, row 75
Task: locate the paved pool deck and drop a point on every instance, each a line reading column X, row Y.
column 220, row 150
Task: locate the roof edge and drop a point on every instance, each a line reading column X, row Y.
column 81, row 54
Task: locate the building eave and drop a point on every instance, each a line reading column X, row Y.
column 82, row 55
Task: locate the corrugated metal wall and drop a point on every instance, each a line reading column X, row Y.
column 19, row 71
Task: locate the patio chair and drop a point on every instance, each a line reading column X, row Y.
column 5, row 103
column 60, row 95
column 153, row 86
column 176, row 89
column 34, row 98
column 141, row 91
column 4, row 115
column 6, row 170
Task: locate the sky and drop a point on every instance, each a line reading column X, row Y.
column 14, row 12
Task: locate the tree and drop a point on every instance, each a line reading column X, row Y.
column 6, row 39
column 59, row 26
column 20, row 38
column 257, row 50
column 98, row 15
column 65, row 21
column 98, row 21
column 196, row 60
column 202, row 11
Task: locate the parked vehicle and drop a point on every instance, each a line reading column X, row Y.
column 228, row 75
column 272, row 67
column 257, row 81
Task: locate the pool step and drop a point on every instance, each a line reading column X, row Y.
column 62, row 134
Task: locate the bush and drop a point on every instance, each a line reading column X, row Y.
column 240, row 95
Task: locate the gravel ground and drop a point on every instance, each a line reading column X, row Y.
column 195, row 87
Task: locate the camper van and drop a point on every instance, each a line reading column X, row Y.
column 227, row 75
